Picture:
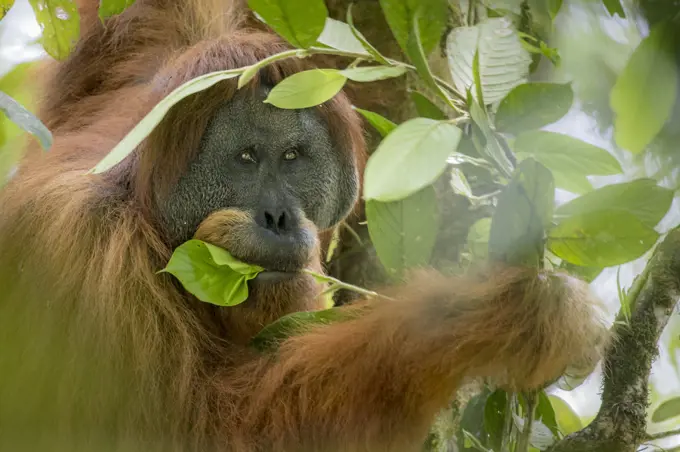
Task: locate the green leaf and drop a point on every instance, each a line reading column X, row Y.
column 667, row 410
column 601, row 238
column 503, row 61
column 339, row 35
column 642, row 198
column 472, row 420
column 416, row 52
column 432, row 21
column 587, row 274
column 5, row 6
column 210, row 273
column 491, row 149
column 494, row 417
column 404, row 232
column 554, row 7
column 569, row 159
column 20, row 84
column 523, row 213
column 614, row 7
column 533, row 105
column 307, row 89
column 567, row 419
column 298, row 323
column 426, row 108
column 364, row 42
column 373, row 73
column 644, row 94
column 546, row 413
column 156, row 115
column 25, row 119
column 409, row 158
column 60, row 24
column 459, row 183
column 249, row 72
column 383, row 125
column 300, row 22
column 108, row 8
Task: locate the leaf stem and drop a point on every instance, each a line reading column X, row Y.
column 337, row 284
column 524, row 438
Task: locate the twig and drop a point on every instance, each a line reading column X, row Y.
column 662, row 435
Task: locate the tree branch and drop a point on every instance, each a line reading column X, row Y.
column 620, row 425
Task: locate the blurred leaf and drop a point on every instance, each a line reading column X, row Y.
column 503, row 61
column 417, row 55
column 25, row 119
column 108, row 8
column 505, row 6
column 472, row 421
column 339, row 35
column 404, row 232
column 373, row 73
column 533, row 105
column 383, row 125
column 306, row 89
column 614, row 7
column 459, row 183
column 432, row 21
column 494, row 417
column 541, row 436
column 642, row 198
column 425, row 107
column 587, row 274
column 491, row 149
column 5, row 6
column 156, row 115
column 298, row 323
column 601, row 238
column 567, row 419
column 472, row 442
column 569, row 159
column 19, row 83
column 546, row 413
column 667, row 410
column 409, row 158
column 211, row 273
column 523, row 213
column 478, row 238
column 362, row 39
column 300, row 22
column 645, row 91
column 60, row 25
column 554, row 7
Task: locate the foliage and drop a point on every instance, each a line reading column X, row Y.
column 489, row 123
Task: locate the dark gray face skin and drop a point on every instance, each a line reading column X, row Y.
column 272, row 163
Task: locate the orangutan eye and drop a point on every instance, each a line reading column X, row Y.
column 247, row 157
column 290, row 155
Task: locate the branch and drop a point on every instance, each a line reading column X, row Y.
column 620, row 425
column 662, row 435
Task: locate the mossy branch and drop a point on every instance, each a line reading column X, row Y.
column 620, row 425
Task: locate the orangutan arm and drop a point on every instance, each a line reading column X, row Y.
column 376, row 382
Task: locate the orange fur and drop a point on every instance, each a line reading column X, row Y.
column 98, row 352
